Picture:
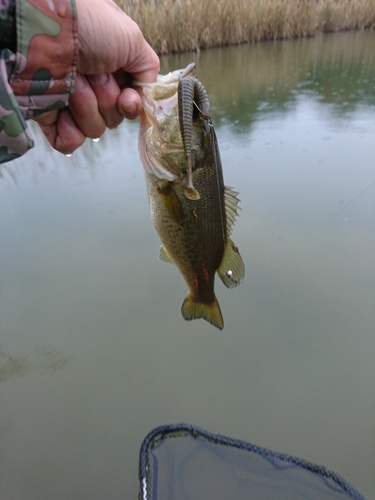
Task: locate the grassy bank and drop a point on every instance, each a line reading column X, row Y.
column 181, row 25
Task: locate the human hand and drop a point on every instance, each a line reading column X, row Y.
column 112, row 52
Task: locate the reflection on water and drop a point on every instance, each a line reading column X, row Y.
column 293, row 370
column 335, row 69
column 48, row 361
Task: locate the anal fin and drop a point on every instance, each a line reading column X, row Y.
column 232, row 268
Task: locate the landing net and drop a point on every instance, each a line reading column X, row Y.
column 183, row 462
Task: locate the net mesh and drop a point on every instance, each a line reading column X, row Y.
column 183, row 462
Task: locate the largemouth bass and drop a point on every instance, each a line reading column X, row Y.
column 192, row 211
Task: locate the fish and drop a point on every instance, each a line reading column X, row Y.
column 192, row 210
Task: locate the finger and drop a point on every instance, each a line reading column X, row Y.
column 69, row 135
column 145, row 64
column 61, row 130
column 83, row 105
column 129, row 103
column 110, row 40
column 48, row 124
column 138, row 59
column 107, row 92
column 122, row 78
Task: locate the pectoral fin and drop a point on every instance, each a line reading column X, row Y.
column 172, row 203
column 232, row 268
column 164, row 255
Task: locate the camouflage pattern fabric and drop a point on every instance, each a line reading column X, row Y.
column 39, row 76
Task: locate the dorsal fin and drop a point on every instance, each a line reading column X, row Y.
column 231, row 208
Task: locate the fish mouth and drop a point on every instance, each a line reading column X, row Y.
column 164, row 89
column 160, row 97
column 169, row 78
column 175, row 76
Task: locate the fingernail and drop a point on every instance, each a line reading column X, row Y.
column 99, row 79
column 129, row 108
column 80, row 82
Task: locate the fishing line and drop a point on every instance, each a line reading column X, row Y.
column 343, row 208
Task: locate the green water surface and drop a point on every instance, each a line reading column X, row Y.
column 94, row 352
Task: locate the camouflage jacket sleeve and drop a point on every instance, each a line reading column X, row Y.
column 38, row 56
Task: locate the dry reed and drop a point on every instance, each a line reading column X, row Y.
column 182, row 25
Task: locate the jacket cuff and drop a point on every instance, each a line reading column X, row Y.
column 46, row 58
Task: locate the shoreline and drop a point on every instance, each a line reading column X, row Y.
column 174, row 26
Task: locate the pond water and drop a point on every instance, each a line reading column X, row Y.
column 94, row 352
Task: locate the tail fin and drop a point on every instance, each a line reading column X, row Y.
column 210, row 312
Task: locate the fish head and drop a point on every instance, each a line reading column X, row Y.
column 160, row 129
column 160, row 98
